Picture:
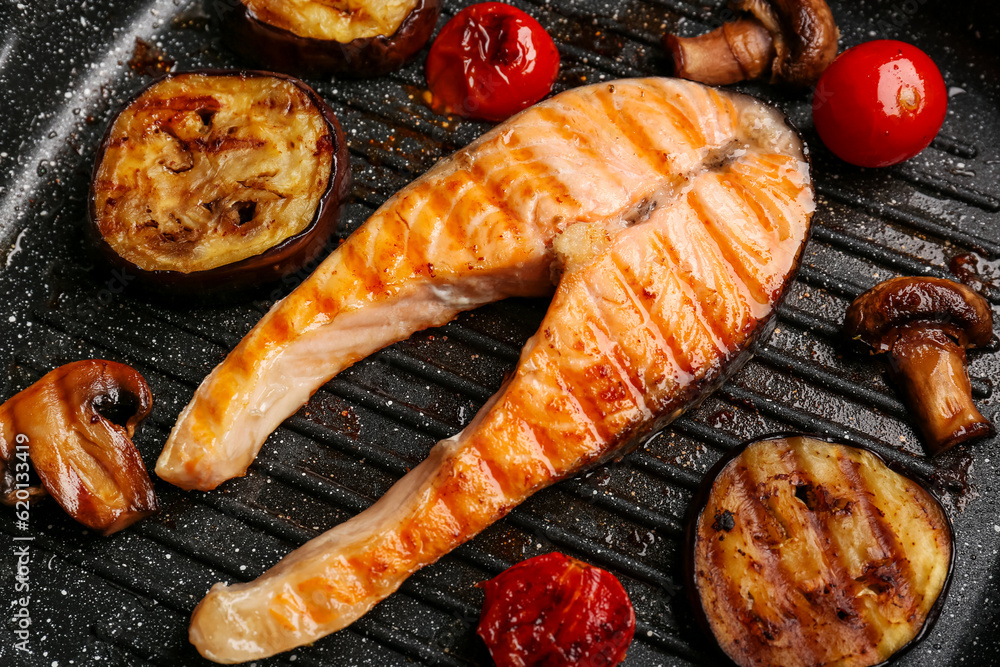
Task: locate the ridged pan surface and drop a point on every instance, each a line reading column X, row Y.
column 126, row 600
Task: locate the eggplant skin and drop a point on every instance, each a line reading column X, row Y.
column 274, row 47
column 804, row 553
column 290, row 255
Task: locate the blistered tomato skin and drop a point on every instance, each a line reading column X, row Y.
column 880, row 103
column 489, row 62
column 553, row 610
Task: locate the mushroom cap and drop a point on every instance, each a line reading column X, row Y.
column 876, row 316
column 83, row 457
column 804, row 33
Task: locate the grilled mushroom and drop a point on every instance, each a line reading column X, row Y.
column 795, row 39
column 925, row 325
column 85, row 460
column 803, row 552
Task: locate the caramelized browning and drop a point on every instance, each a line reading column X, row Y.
column 337, row 20
column 805, row 37
column 84, row 459
column 736, row 51
column 352, row 38
column 930, row 369
column 811, row 553
column 794, row 40
column 924, row 326
column 202, row 171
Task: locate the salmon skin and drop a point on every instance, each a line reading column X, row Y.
column 672, row 217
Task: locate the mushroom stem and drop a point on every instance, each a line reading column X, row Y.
column 794, row 40
column 929, row 366
column 736, row 51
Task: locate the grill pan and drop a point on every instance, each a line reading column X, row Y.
column 126, row 600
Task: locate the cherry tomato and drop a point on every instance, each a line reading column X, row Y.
column 489, row 62
column 556, row 611
column 879, row 103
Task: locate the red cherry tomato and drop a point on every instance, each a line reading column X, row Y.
column 556, row 611
column 489, row 62
column 879, row 103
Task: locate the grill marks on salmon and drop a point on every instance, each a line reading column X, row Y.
column 656, row 304
column 477, row 228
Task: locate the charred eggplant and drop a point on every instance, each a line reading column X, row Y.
column 804, row 552
column 219, row 179
column 359, row 38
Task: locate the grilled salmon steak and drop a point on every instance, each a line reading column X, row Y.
column 672, row 217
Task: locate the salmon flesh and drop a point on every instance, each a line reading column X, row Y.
column 670, row 217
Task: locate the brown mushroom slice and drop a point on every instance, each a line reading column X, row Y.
column 794, row 40
column 803, row 552
column 924, row 326
column 85, row 460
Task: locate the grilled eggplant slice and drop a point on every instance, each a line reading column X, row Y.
column 349, row 37
column 217, row 179
column 804, row 552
